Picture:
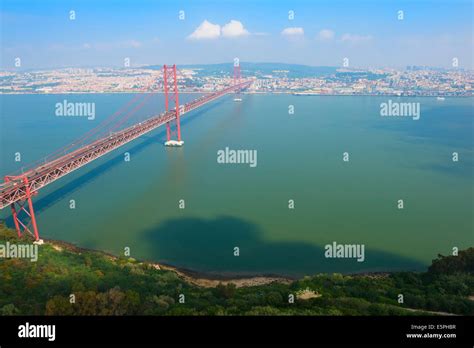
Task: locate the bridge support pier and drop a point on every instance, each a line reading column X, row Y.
column 25, row 206
column 169, row 77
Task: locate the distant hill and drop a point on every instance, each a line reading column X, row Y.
column 260, row 69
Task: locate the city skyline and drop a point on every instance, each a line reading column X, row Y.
column 209, row 32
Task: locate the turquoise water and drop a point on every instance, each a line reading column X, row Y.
column 136, row 204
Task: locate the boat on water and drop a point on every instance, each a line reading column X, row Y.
column 237, row 99
column 440, row 98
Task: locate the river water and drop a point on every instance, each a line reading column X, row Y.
column 139, row 204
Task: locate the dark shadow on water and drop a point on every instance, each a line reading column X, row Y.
column 43, row 203
column 207, row 246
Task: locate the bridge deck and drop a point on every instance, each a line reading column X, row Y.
column 15, row 188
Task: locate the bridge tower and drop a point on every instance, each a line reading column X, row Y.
column 236, row 74
column 237, row 79
column 26, row 206
column 170, row 84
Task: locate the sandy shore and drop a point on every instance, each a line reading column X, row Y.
column 211, row 281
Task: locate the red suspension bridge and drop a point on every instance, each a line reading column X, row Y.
column 17, row 190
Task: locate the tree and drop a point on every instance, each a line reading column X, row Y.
column 274, row 298
column 9, row 309
column 59, row 305
column 226, row 291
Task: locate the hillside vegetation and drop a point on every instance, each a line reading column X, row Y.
column 105, row 285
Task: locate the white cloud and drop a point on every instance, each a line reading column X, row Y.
column 355, row 38
column 326, row 35
column 294, row 31
column 206, row 30
column 234, row 29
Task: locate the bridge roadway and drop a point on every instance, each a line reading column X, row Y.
column 16, row 188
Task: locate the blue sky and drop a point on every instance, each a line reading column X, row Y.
column 367, row 32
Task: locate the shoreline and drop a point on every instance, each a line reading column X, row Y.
column 201, row 279
column 250, row 93
column 207, row 279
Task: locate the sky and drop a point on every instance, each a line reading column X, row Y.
column 369, row 33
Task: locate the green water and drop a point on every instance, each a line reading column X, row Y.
column 136, row 204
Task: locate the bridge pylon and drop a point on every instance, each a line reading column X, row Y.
column 170, row 84
column 237, row 78
column 237, row 74
column 25, row 205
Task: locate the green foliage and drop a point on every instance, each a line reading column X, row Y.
column 462, row 263
column 9, row 309
column 225, row 291
column 274, row 298
column 103, row 285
